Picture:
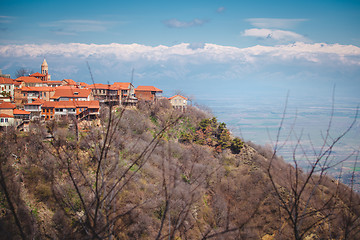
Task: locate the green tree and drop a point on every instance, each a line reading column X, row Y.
column 236, row 145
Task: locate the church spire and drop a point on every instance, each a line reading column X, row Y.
column 45, row 70
column 44, row 64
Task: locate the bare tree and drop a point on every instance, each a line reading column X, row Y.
column 299, row 205
column 23, row 72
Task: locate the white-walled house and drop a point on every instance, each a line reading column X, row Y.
column 34, row 107
column 6, row 120
column 178, row 102
column 7, row 87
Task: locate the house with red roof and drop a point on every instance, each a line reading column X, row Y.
column 28, row 93
column 21, row 114
column 7, row 108
column 6, row 88
column 66, row 93
column 65, row 109
column 147, row 93
column 40, row 76
column 105, row 93
column 68, row 82
column 6, row 114
column 21, row 119
column 126, row 92
column 6, row 120
column 34, row 107
column 83, row 85
column 27, row 81
column 178, row 102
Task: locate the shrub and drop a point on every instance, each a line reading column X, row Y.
column 236, row 145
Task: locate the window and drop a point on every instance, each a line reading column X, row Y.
column 6, row 120
column 2, row 120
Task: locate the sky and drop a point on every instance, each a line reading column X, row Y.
column 204, row 48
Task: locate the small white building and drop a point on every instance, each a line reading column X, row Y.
column 6, row 87
column 34, row 107
column 179, row 102
column 6, row 120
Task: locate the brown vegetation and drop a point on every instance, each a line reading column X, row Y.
column 154, row 173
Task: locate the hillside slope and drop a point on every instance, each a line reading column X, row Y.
column 152, row 172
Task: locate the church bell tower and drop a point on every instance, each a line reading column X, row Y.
column 45, row 70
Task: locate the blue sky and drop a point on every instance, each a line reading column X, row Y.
column 170, row 22
column 202, row 47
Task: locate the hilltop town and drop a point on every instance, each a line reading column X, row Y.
column 38, row 98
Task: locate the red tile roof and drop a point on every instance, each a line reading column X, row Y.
column 177, row 96
column 37, row 74
column 148, row 89
column 49, row 104
column 88, row 104
column 29, row 80
column 38, row 89
column 122, row 85
column 6, row 80
column 6, row 116
column 101, row 86
column 84, row 84
column 69, row 82
column 71, row 92
column 20, row 112
column 7, row 105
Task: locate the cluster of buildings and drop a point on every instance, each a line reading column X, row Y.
column 37, row 97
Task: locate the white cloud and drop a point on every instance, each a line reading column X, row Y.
column 278, row 35
column 184, row 52
column 174, row 23
column 281, row 23
column 184, row 62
